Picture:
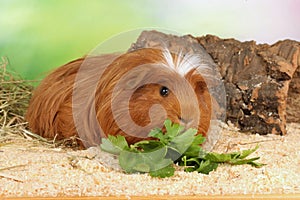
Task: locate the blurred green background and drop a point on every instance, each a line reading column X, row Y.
column 39, row 35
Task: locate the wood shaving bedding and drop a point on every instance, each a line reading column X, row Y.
column 28, row 169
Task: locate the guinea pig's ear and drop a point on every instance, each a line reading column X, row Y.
column 201, row 87
column 136, row 77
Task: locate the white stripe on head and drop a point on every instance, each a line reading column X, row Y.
column 184, row 63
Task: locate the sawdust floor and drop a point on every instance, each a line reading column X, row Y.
column 30, row 168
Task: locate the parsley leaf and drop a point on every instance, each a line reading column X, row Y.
column 174, row 146
column 114, row 145
column 163, row 172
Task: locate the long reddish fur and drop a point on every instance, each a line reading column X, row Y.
column 50, row 112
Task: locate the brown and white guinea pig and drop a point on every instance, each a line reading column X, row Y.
column 127, row 94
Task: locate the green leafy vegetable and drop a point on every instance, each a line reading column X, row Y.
column 177, row 146
column 114, row 145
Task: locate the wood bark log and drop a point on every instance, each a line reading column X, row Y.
column 262, row 81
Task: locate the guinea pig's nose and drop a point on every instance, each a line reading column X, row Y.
column 187, row 122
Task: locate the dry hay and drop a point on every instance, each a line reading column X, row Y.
column 15, row 94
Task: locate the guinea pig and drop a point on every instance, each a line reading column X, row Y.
column 121, row 94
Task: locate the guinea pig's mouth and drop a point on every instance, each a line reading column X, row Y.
column 187, row 123
column 200, row 130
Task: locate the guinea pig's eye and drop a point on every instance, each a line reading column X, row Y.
column 164, row 91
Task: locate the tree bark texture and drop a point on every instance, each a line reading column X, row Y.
column 262, row 81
